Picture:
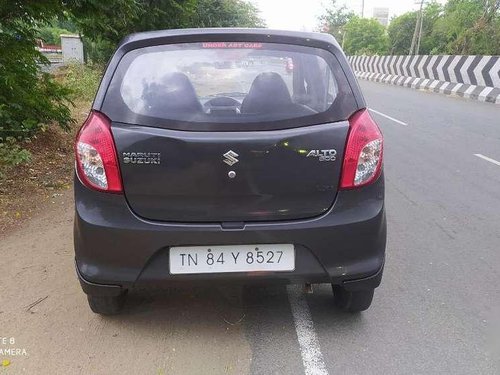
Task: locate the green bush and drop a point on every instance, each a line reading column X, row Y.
column 365, row 36
column 79, row 81
column 29, row 98
column 52, row 35
column 11, row 154
column 98, row 50
column 82, row 80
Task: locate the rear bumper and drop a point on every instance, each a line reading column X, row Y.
column 115, row 249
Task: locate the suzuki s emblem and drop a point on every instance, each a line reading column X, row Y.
column 230, row 157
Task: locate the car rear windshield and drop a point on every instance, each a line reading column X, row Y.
column 226, row 83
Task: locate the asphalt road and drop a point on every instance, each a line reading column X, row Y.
column 437, row 311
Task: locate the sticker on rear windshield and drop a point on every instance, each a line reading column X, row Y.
column 239, row 45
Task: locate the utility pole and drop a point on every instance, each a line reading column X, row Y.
column 417, row 33
column 362, row 8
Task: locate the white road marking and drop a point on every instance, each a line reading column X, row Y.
column 488, row 159
column 312, row 359
column 389, row 117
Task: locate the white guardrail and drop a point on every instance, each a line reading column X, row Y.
column 475, row 77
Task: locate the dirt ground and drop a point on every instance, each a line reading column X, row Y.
column 26, row 189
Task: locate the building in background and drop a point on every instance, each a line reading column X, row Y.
column 381, row 15
column 72, row 48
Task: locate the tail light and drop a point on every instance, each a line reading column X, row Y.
column 363, row 152
column 96, row 158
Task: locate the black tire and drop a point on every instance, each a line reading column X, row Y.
column 352, row 302
column 107, row 305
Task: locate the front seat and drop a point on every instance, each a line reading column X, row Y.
column 268, row 94
column 173, row 94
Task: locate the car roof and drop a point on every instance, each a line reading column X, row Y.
column 304, row 35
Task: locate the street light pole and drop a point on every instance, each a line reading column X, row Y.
column 417, row 33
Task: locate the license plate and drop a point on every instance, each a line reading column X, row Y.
column 232, row 258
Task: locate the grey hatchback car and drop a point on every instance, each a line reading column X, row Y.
column 229, row 155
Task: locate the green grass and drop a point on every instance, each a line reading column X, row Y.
column 83, row 80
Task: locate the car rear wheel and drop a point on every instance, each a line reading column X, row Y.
column 352, row 301
column 107, row 305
